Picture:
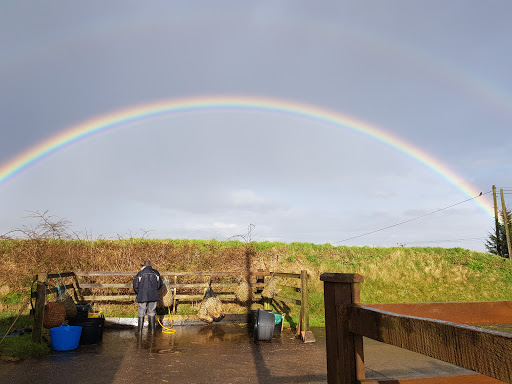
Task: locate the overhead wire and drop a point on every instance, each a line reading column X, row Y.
column 416, row 218
column 446, row 240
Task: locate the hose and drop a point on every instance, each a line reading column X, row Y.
column 166, row 329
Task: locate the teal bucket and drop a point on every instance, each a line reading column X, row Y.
column 65, row 338
column 278, row 323
column 277, row 318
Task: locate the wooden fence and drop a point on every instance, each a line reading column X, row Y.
column 424, row 328
column 84, row 287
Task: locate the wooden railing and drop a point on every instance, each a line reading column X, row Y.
column 84, row 287
column 347, row 322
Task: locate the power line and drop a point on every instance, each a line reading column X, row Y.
column 446, row 240
column 416, row 218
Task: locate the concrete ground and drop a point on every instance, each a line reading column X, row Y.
column 208, row 354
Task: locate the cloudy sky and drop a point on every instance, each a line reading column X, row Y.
column 434, row 74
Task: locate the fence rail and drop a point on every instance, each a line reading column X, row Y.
column 469, row 313
column 166, row 273
column 347, row 321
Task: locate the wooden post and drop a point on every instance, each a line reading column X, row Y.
column 175, row 292
column 345, row 360
column 304, row 303
column 37, row 331
column 505, row 222
column 261, row 279
column 496, row 221
column 266, row 300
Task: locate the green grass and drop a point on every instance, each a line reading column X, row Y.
column 12, row 298
column 406, row 274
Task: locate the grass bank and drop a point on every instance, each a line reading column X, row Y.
column 396, row 274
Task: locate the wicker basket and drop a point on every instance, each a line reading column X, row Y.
column 54, row 315
column 270, row 289
column 243, row 292
column 166, row 295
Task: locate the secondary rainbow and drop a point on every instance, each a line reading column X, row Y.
column 164, row 107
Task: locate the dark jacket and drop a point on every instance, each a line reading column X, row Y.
column 146, row 285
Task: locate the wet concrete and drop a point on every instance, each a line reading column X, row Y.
column 207, row 354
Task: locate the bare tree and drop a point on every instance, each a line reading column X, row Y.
column 145, row 233
column 247, row 237
column 48, row 227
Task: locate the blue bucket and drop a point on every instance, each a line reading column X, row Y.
column 65, row 338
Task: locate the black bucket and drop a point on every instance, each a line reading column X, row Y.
column 92, row 330
column 83, row 307
column 278, row 326
column 264, row 324
column 82, row 313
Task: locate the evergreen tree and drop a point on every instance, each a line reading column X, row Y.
column 497, row 242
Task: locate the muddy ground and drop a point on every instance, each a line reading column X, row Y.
column 209, row 354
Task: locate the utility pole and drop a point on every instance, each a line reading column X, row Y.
column 505, row 219
column 496, row 221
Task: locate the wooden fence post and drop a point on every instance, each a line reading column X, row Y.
column 260, row 279
column 37, row 331
column 345, row 360
column 304, row 303
column 266, row 302
column 175, row 293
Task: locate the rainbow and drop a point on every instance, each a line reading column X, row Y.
column 164, row 107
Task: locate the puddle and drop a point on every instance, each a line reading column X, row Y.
column 169, row 350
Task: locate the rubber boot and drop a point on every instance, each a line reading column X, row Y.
column 152, row 323
column 140, row 324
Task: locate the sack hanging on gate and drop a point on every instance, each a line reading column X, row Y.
column 166, row 295
column 270, row 289
column 243, row 292
column 210, row 309
column 67, row 301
